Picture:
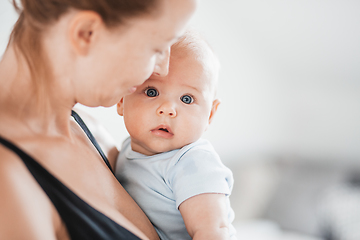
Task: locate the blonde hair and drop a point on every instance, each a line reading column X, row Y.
column 195, row 45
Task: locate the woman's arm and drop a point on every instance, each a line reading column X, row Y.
column 129, row 209
column 205, row 216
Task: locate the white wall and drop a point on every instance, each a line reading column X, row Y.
column 290, row 77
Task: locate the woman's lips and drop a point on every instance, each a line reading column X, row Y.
column 163, row 131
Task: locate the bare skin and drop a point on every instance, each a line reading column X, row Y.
column 55, row 140
column 61, row 146
column 205, row 215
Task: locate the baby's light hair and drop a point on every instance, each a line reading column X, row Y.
column 195, row 44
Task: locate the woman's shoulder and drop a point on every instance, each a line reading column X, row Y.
column 11, row 166
column 26, row 212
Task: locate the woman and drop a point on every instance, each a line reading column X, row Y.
column 53, row 181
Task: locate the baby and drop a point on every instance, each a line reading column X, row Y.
column 175, row 176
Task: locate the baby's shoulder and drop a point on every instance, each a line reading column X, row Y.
column 200, row 153
column 200, row 148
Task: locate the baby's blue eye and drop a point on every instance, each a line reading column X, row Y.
column 151, row 92
column 187, row 99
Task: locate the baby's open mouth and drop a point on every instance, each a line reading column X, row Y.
column 163, row 131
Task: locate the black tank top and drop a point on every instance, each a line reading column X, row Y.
column 81, row 220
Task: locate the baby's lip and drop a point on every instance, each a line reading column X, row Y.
column 163, row 131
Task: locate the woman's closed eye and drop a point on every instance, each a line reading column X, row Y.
column 151, row 92
column 187, row 99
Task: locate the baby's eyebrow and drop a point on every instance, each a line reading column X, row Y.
column 189, row 86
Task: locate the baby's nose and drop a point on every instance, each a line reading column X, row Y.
column 167, row 109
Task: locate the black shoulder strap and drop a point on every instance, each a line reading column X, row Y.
column 91, row 137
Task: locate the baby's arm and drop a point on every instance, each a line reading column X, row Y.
column 205, row 216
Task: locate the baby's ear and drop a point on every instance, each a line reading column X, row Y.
column 214, row 108
column 120, row 107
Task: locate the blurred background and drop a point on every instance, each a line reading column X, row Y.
column 289, row 122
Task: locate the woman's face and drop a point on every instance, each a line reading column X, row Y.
column 127, row 57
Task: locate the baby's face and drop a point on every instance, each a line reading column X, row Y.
column 167, row 113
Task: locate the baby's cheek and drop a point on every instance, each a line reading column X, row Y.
column 195, row 132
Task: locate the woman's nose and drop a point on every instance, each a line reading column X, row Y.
column 162, row 63
column 167, row 109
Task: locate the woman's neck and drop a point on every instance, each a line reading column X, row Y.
column 21, row 108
